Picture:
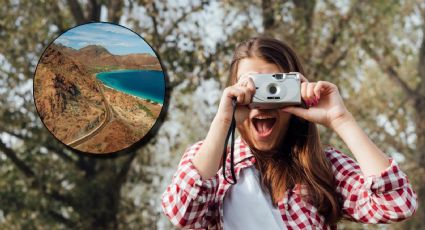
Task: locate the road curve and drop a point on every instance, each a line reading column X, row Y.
column 99, row 128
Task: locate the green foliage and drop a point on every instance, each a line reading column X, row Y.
column 147, row 111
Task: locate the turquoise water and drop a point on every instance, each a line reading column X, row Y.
column 146, row 84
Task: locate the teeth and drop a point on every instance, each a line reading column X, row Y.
column 263, row 117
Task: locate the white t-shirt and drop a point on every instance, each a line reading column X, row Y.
column 247, row 207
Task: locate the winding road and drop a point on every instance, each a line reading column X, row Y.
column 99, row 128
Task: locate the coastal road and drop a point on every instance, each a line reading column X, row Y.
column 99, row 128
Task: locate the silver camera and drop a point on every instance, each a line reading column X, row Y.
column 276, row 90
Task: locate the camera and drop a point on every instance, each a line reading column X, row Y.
column 276, row 90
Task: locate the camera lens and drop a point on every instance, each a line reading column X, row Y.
column 272, row 89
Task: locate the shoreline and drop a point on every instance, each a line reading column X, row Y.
column 127, row 93
column 130, row 70
column 140, row 98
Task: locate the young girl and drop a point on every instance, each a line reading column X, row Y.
column 285, row 179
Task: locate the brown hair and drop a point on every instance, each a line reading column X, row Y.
column 300, row 159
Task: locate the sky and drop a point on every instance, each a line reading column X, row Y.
column 116, row 39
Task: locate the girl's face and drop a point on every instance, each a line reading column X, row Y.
column 264, row 128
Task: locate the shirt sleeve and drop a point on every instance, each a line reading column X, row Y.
column 385, row 198
column 188, row 200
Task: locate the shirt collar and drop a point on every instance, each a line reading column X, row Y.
column 242, row 151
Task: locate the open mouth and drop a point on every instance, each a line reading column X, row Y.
column 263, row 125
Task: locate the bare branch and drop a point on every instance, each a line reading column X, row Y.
column 61, row 153
column 115, row 9
column 125, row 168
column 389, row 70
column 58, row 18
column 94, row 10
column 306, row 11
column 421, row 64
column 339, row 29
column 182, row 18
column 51, row 147
column 61, row 218
column 10, row 153
column 268, row 15
column 152, row 12
column 76, row 11
column 36, row 183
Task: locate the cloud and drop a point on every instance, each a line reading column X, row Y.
column 113, row 28
column 64, row 41
column 114, row 38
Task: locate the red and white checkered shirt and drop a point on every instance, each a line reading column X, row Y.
column 194, row 203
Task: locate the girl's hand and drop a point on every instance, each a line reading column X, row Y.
column 243, row 91
column 324, row 103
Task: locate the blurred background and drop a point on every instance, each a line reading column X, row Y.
column 373, row 50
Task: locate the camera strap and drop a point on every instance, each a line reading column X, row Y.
column 230, row 134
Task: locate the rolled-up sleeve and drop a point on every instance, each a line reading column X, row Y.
column 384, row 198
column 187, row 199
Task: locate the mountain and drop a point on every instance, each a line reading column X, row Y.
column 96, row 57
column 64, row 88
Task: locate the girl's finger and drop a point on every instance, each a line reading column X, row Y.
column 240, row 96
column 297, row 111
column 304, row 91
column 303, row 79
column 246, row 75
column 247, row 95
column 318, row 89
column 251, row 86
column 310, row 92
column 244, row 94
column 235, row 92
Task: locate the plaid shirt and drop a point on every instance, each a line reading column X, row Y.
column 191, row 202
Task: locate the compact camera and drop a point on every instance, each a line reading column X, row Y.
column 276, row 90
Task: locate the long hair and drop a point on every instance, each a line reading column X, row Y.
column 300, row 160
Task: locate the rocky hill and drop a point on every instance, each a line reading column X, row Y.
column 96, row 57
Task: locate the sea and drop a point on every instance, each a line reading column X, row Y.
column 145, row 84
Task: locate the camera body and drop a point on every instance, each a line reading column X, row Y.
column 276, row 90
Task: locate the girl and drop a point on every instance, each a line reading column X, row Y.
column 285, row 179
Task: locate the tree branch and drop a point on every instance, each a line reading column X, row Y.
column 115, row 10
column 17, row 135
column 58, row 18
column 339, row 29
column 152, row 12
column 60, row 218
column 268, row 15
column 421, row 64
column 60, row 153
column 182, row 18
column 49, row 146
column 389, row 70
column 94, row 10
column 10, row 153
column 76, row 11
column 122, row 174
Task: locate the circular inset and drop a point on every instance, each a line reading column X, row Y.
column 99, row 88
